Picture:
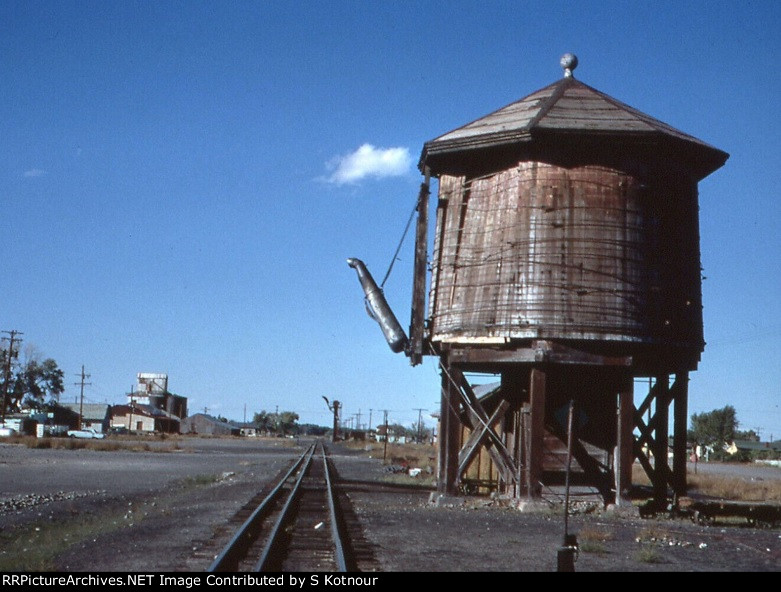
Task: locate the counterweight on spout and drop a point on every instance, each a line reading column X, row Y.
column 378, row 307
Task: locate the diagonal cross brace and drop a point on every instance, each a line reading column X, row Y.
column 498, row 450
column 478, row 436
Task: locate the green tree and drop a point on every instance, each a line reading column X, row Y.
column 747, row 435
column 286, row 422
column 263, row 421
column 34, row 383
column 283, row 422
column 714, row 428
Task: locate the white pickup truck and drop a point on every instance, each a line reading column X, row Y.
column 88, row 433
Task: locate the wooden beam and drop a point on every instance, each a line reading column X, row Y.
column 537, row 395
column 500, row 456
column 537, row 352
column 661, row 418
column 515, row 385
column 646, row 404
column 594, row 471
column 449, row 430
column 659, row 475
column 680, row 395
column 646, row 434
column 416, row 329
column 478, row 436
column 486, row 355
column 624, row 455
column 476, row 425
column 550, row 351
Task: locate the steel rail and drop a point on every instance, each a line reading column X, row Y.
column 273, row 539
column 336, row 531
column 236, row 548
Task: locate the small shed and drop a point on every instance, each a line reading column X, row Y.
column 96, row 416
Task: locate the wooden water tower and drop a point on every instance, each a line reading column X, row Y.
column 566, row 261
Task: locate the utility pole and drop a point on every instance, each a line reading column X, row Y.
column 370, row 419
column 358, row 420
column 385, row 448
column 420, row 425
column 131, row 406
column 13, row 333
column 81, row 399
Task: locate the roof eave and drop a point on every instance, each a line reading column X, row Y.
column 699, row 158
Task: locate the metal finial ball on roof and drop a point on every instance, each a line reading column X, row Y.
column 569, row 61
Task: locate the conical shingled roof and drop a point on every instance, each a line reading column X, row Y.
column 572, row 109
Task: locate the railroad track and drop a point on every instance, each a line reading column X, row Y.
column 298, row 526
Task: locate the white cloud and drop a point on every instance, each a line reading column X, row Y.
column 34, row 173
column 369, row 161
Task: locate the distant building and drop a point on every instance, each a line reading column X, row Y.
column 248, row 429
column 144, row 419
column 152, row 390
column 753, row 446
column 94, row 415
column 386, row 432
column 207, row 425
column 21, row 423
column 150, row 384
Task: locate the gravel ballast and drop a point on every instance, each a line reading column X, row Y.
column 172, row 511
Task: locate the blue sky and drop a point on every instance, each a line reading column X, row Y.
column 181, row 182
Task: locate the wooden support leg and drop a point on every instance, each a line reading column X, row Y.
column 680, row 399
column 515, row 386
column 449, row 429
column 661, row 419
column 536, row 432
column 624, row 455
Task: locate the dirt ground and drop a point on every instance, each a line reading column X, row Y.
column 179, row 516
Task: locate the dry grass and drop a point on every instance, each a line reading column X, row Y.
column 730, row 488
column 648, row 555
column 420, row 456
column 595, row 534
column 423, row 456
column 652, row 534
column 593, row 539
column 639, row 477
column 104, row 445
column 733, row 488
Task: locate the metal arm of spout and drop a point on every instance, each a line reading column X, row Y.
column 379, row 308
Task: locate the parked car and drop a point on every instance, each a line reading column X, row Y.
column 88, row 433
column 5, row 432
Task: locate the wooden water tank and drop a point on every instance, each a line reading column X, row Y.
column 569, row 216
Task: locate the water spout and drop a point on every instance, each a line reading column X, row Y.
column 378, row 307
